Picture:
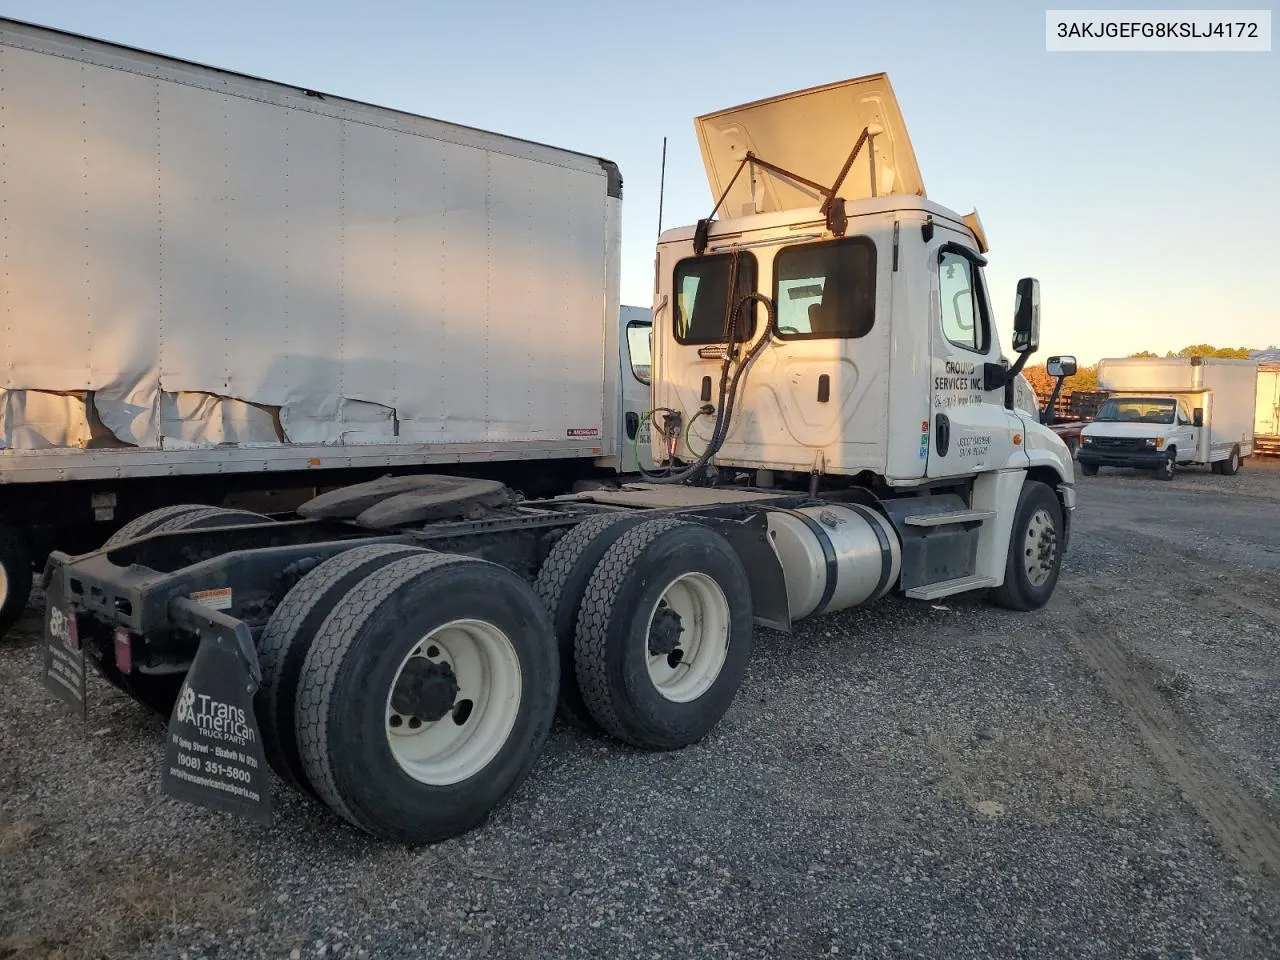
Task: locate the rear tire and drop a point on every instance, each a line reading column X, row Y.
column 1035, row 551
column 1231, row 466
column 182, row 516
column 560, row 586
column 141, row 526
column 209, row 517
column 286, row 639
column 159, row 692
column 443, row 776
column 637, row 689
column 15, row 576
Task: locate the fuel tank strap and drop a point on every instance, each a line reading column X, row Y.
column 828, row 554
column 886, row 548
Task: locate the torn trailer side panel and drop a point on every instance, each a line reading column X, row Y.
column 198, row 261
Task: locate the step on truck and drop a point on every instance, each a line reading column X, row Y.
column 1166, row 413
column 829, row 420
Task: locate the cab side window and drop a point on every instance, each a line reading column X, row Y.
column 703, row 302
column 825, row 290
column 640, row 349
column 1184, row 413
column 965, row 321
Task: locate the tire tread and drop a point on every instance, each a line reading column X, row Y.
column 324, row 662
column 591, row 642
column 280, row 638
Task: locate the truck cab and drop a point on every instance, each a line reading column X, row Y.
column 861, row 333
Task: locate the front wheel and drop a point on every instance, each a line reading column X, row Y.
column 1035, row 550
column 1089, row 469
column 1169, row 466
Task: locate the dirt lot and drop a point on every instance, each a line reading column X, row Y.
column 1100, row 779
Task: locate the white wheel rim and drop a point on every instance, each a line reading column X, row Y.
column 463, row 742
column 687, row 672
column 1041, row 547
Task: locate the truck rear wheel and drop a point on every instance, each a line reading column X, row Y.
column 426, row 697
column 141, row 526
column 285, row 640
column 1035, row 550
column 664, row 634
column 182, row 516
column 15, row 576
column 1230, row 466
column 159, row 691
column 561, row 583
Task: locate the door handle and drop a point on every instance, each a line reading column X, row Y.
column 942, row 434
column 632, row 420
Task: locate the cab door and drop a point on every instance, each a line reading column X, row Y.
column 1186, row 435
column 637, row 377
column 971, row 429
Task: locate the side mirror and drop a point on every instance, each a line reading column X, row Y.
column 1197, row 416
column 1060, row 367
column 1026, row 316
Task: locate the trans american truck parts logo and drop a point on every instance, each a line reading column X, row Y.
column 223, row 721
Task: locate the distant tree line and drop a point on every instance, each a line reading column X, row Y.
column 1086, row 378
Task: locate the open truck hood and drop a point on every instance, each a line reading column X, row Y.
column 810, row 133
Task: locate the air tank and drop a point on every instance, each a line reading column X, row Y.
column 834, row 556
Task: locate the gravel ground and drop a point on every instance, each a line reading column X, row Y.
column 1099, row 779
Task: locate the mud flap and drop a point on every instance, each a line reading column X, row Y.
column 63, row 669
column 214, row 756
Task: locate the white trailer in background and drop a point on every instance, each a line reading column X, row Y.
column 1166, row 412
column 1266, row 427
column 217, row 286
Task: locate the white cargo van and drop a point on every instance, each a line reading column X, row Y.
column 1164, row 413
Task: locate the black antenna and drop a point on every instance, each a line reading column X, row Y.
column 662, row 184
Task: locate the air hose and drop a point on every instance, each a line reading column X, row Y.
column 728, row 393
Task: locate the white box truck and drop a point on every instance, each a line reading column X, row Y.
column 218, row 287
column 1266, row 426
column 829, row 416
column 1169, row 412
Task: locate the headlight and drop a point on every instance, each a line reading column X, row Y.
column 1086, row 440
column 1151, row 441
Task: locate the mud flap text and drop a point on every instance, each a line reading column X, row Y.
column 63, row 671
column 214, row 756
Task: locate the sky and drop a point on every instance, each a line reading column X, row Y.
column 1140, row 188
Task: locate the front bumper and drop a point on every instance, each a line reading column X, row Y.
column 1138, row 459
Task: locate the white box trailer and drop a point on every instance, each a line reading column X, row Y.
column 215, row 282
column 1266, row 427
column 1166, row 412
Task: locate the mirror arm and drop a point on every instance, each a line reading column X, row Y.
column 1047, row 416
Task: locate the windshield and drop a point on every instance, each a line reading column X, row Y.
column 1136, row 410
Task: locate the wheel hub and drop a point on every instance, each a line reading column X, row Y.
column 664, row 632
column 425, row 690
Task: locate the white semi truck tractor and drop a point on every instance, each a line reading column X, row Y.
column 828, row 417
